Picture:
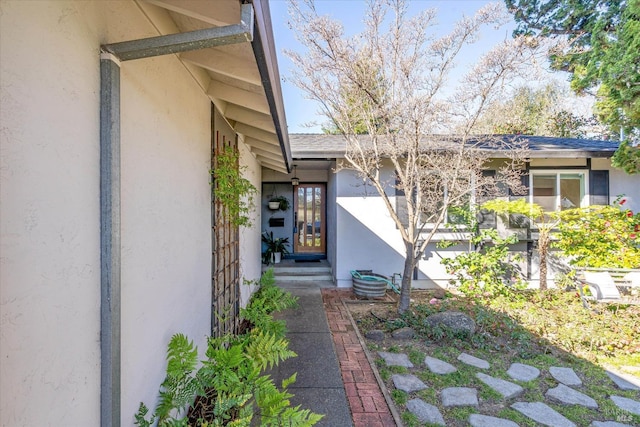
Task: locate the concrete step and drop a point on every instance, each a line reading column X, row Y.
column 298, row 278
column 301, row 270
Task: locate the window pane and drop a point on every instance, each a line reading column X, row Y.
column 545, row 191
column 571, row 190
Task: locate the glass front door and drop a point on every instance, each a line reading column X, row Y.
column 309, row 233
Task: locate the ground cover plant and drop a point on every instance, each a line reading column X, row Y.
column 229, row 387
column 538, row 328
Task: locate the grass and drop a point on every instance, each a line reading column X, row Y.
column 541, row 329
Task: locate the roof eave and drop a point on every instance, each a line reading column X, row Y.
column 264, row 49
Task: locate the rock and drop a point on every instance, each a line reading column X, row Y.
column 477, row 420
column 622, row 383
column 454, row 321
column 408, row 383
column 542, row 414
column 522, row 372
column 403, row 334
column 569, row 396
column 396, row 359
column 505, row 388
column 608, row 424
column 627, row 404
column 438, row 366
column 459, row 396
column 473, row 361
column 566, row 376
column 375, row 335
column 425, row 412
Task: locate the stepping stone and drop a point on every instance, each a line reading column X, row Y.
column 473, row 361
column 505, row 388
column 608, row 424
column 566, row 376
column 459, row 396
column 375, row 335
column 477, row 420
column 408, row 383
column 425, row 412
column 396, row 359
column 569, row 396
column 438, row 366
column 522, row 372
column 403, row 334
column 622, row 383
column 542, row 414
column 627, row 404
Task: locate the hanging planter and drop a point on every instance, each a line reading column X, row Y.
column 279, row 203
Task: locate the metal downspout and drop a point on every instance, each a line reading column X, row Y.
column 110, row 233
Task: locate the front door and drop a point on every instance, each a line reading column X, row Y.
column 309, row 233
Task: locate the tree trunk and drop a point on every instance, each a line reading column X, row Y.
column 407, row 276
column 543, row 248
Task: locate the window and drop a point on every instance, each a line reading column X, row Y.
column 559, row 190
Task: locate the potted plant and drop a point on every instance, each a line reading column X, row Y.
column 276, row 247
column 279, row 203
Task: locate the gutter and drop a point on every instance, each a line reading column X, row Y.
column 265, row 52
column 110, row 233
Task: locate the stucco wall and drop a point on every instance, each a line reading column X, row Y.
column 250, row 265
column 166, row 220
column 50, row 260
column 49, row 211
column 367, row 237
column 620, row 183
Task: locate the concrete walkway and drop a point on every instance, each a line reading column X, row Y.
column 334, row 376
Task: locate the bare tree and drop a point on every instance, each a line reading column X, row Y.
column 386, row 90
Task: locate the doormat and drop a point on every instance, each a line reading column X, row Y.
column 307, row 260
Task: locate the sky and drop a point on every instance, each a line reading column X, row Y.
column 300, row 111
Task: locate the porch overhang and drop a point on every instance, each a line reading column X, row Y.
column 242, row 79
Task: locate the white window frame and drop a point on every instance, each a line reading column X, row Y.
column 558, row 172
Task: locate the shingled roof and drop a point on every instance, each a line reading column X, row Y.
column 323, row 146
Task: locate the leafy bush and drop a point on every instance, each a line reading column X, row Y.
column 229, row 387
column 600, row 236
column 489, row 270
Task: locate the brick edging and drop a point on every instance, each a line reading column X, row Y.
column 368, row 399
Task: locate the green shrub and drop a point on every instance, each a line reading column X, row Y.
column 229, row 387
column 487, row 272
column 600, row 236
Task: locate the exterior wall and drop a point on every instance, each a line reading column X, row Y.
column 366, row 234
column 166, row 221
column 50, row 263
column 367, row 238
column 332, row 234
column 620, row 184
column 250, row 265
column 50, row 210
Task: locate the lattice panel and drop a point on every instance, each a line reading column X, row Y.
column 225, row 258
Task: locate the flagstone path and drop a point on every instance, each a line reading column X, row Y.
column 540, row 412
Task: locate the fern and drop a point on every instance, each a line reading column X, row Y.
column 266, row 351
column 230, row 382
column 141, row 416
column 179, row 388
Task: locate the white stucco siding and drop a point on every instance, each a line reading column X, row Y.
column 621, row 183
column 50, row 210
column 250, row 258
column 49, row 216
column 367, row 236
column 166, row 220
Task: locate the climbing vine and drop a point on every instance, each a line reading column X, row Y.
column 231, row 189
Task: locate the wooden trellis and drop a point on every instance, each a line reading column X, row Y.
column 225, row 244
